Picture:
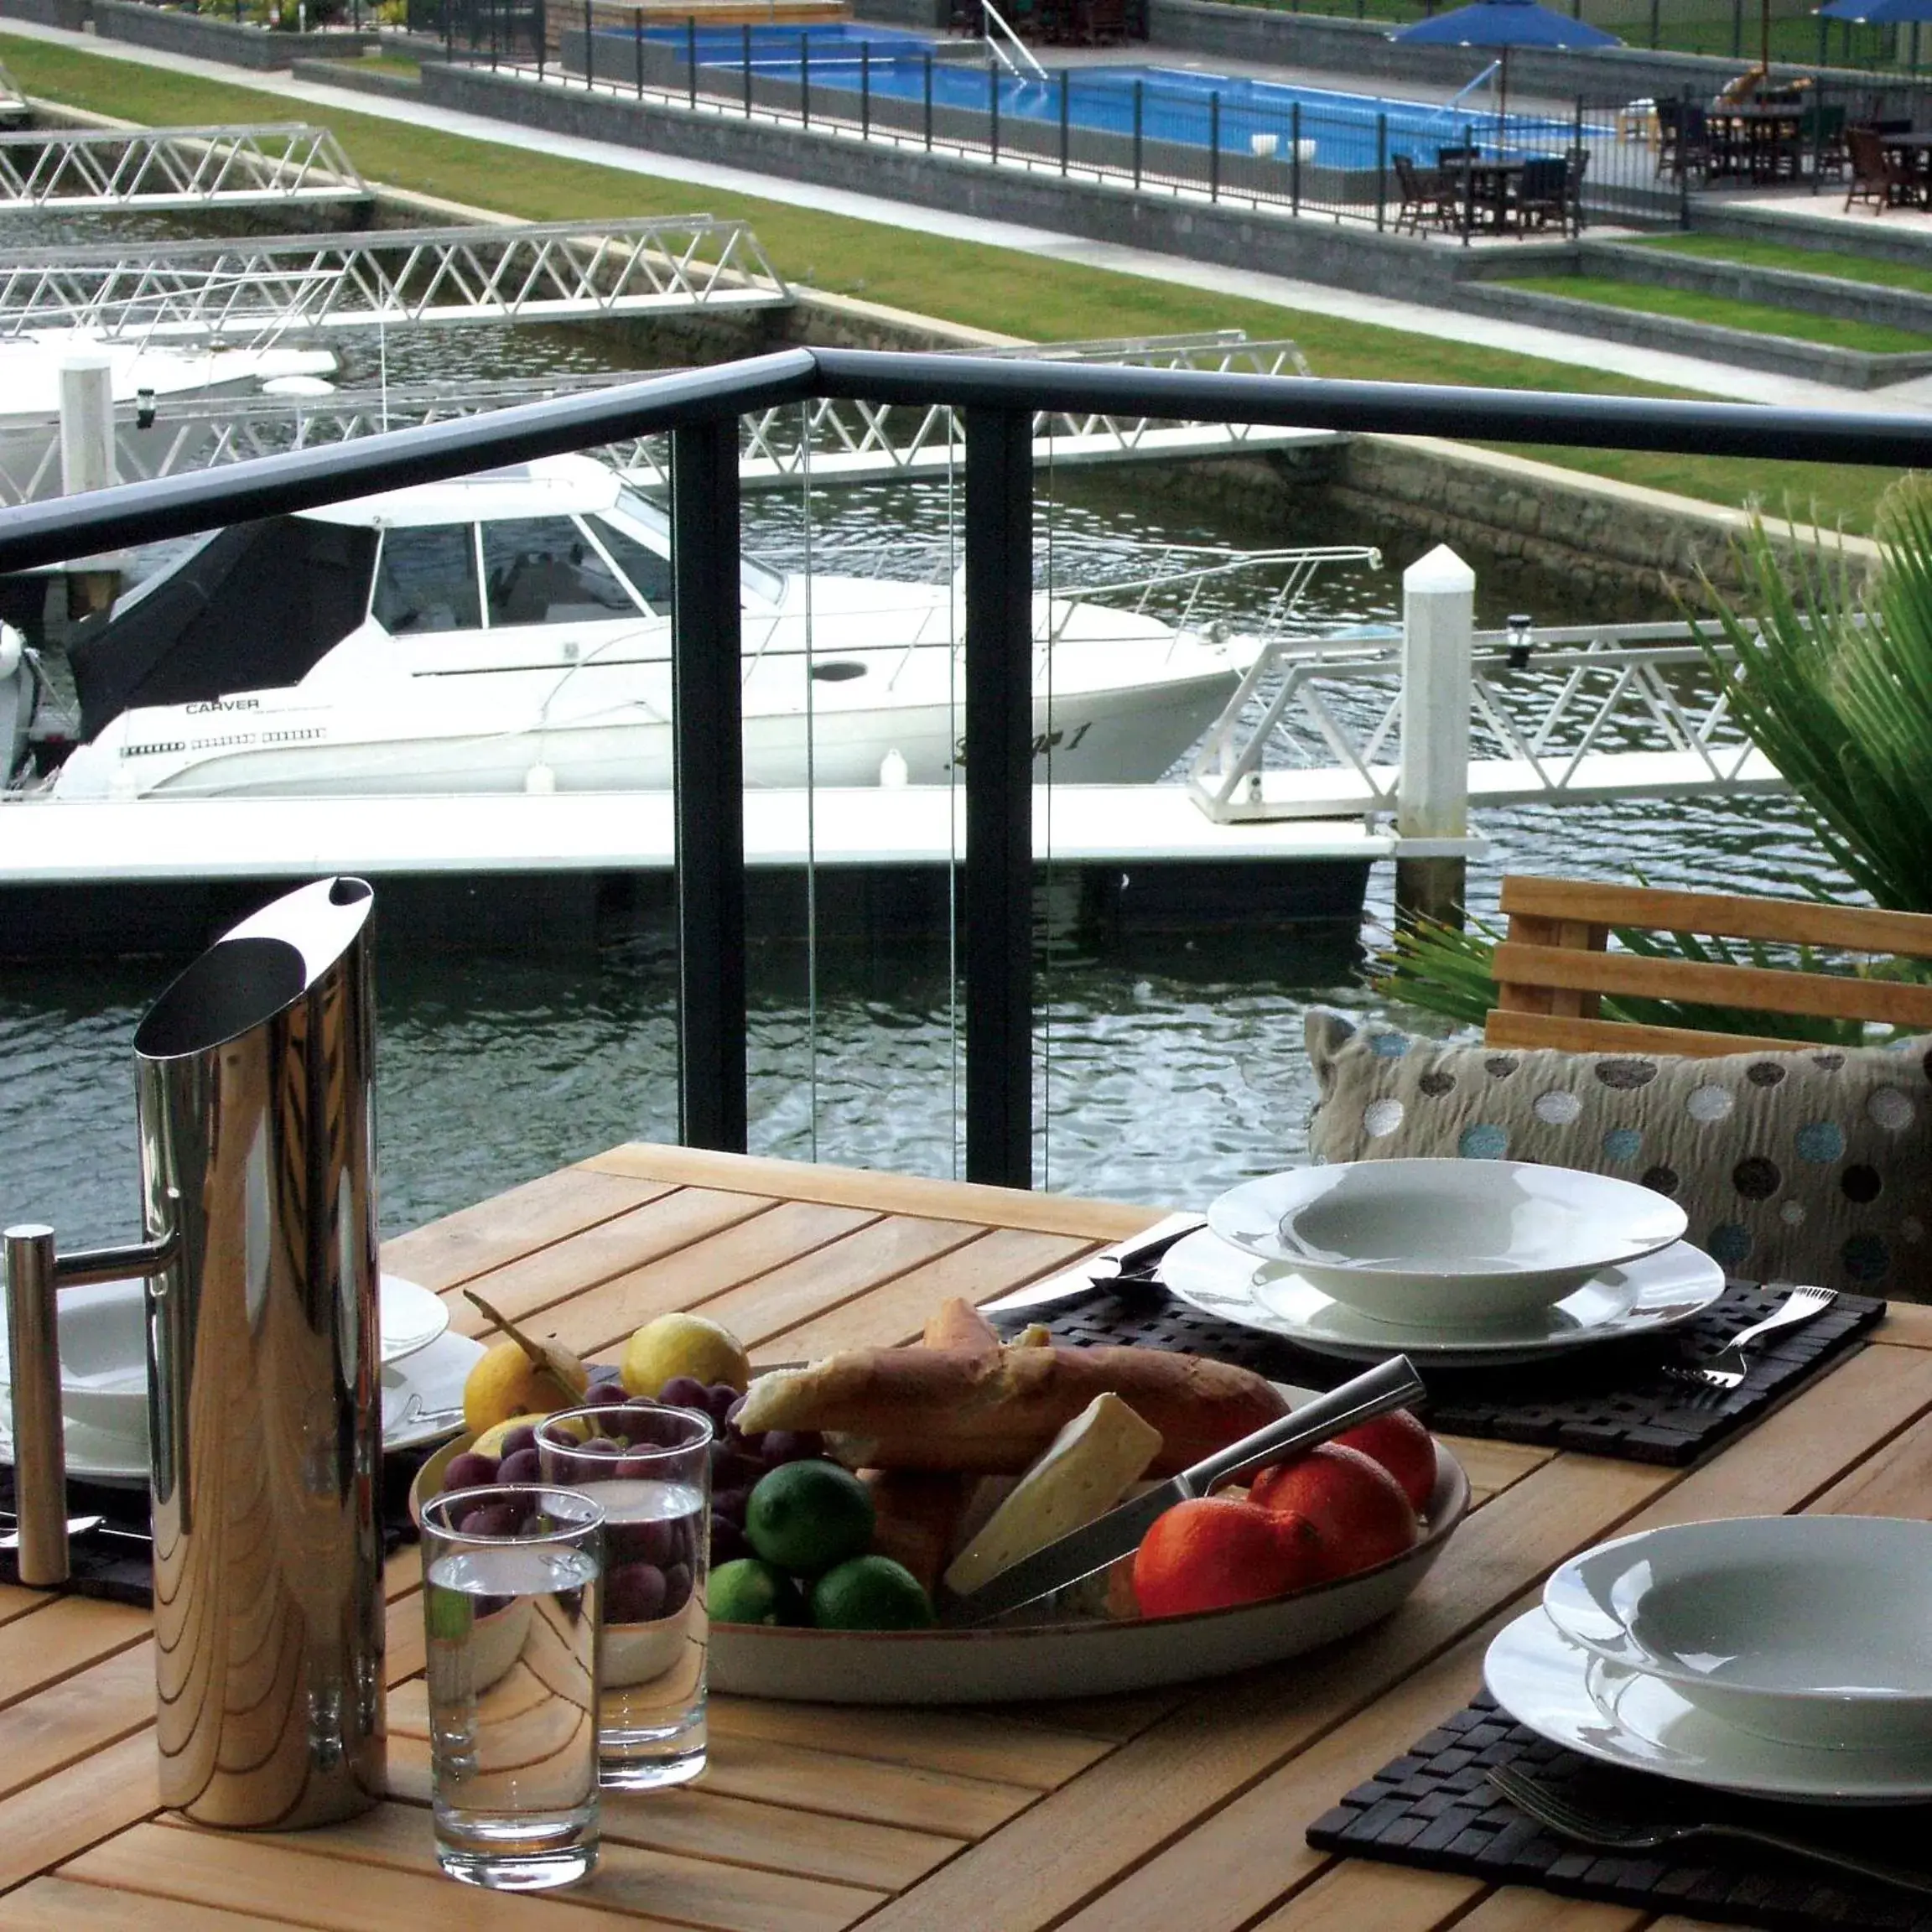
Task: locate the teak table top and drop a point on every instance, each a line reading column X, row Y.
column 1175, row 1809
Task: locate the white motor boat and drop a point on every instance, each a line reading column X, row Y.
column 510, row 633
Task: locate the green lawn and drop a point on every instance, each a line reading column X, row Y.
column 1756, row 254
column 988, row 287
column 1759, row 318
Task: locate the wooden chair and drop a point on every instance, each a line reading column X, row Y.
column 1542, row 193
column 1553, row 968
column 1880, row 176
column 1427, row 195
column 1579, row 160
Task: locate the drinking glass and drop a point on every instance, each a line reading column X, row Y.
column 648, row 1467
column 511, row 1578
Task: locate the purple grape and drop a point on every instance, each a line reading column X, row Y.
column 731, row 1413
column 637, row 1593
column 727, row 1540
column 605, row 1395
column 730, row 1504
column 469, row 1470
column 517, row 1441
column 685, row 1392
column 482, row 1607
column 677, row 1588
column 735, row 1470
column 601, row 1445
column 778, row 1445
column 661, row 1427
column 491, row 1519
column 653, row 1541
column 720, row 1399
column 522, row 1466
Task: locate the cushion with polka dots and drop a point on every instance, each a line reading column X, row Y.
column 1813, row 1165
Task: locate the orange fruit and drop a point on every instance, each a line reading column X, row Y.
column 1356, row 1508
column 1215, row 1551
column 1403, row 1446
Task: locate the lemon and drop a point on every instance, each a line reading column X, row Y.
column 506, row 1383
column 683, row 1345
column 871, row 1594
column 807, row 1517
column 746, row 1591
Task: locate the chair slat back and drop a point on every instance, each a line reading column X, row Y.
column 1554, row 966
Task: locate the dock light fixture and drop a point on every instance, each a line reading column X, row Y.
column 144, row 408
column 1517, row 626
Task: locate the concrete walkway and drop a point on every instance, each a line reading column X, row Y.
column 1552, row 345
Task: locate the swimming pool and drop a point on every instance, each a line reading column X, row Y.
column 1264, row 122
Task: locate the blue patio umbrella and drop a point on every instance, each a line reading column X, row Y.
column 1877, row 12
column 1503, row 24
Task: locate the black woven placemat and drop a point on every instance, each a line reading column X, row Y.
column 1613, row 1400
column 1434, row 1806
column 121, row 1570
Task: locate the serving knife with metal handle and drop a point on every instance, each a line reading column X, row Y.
column 1391, row 1385
column 1138, row 1252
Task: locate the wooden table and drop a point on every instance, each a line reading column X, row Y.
column 1172, row 1811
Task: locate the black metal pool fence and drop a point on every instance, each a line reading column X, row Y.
column 998, row 397
column 1214, row 139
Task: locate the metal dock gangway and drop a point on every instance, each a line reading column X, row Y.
column 832, row 441
column 243, row 165
column 519, row 271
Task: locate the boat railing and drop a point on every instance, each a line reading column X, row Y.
column 998, row 400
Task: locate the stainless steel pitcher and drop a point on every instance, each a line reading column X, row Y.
column 257, row 1111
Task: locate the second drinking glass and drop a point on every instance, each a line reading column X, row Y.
column 649, row 1468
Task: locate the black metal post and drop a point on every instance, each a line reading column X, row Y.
column 865, row 91
column 747, row 69
column 1824, row 40
column 494, row 5
column 804, row 81
column 998, row 908
column 1683, row 165
column 1066, row 115
column 638, row 47
column 1381, row 171
column 708, row 772
column 1655, row 29
column 543, row 37
column 993, row 112
column 1139, row 94
column 449, row 29
column 1214, row 146
column 1295, row 156
column 589, row 47
column 690, row 55
column 928, row 103
column 1737, row 30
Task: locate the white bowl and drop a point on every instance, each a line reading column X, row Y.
column 1445, row 1243
column 1809, row 1629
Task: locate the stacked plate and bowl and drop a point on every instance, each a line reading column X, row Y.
column 104, row 1377
column 1457, row 1264
column 1779, row 1656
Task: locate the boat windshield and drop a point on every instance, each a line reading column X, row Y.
column 757, row 579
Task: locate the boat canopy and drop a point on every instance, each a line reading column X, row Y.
column 255, row 606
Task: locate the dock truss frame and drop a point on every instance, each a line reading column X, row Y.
column 234, row 165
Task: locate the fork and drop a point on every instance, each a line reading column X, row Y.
column 1607, row 1831
column 1726, row 1370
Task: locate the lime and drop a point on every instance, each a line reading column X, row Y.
column 806, row 1517
column 746, row 1591
column 871, row 1594
column 676, row 1345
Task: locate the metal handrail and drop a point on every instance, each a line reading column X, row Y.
column 999, row 19
column 999, row 397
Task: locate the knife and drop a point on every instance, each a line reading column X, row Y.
column 1140, row 1251
column 1391, row 1385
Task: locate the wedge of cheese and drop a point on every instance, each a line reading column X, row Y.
column 1087, row 1469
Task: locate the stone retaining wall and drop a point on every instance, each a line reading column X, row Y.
column 210, row 38
column 71, row 14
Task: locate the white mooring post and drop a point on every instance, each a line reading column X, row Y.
column 86, row 421
column 1432, row 795
column 87, row 459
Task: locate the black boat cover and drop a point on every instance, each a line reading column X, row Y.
column 253, row 609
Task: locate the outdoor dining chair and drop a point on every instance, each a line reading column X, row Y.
column 1542, row 195
column 1427, row 196
column 1880, row 175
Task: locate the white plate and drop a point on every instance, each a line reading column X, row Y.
column 1073, row 1659
column 437, row 1373
column 1445, row 1242
column 103, row 1353
column 1654, row 1293
column 118, row 1457
column 1624, row 1717
column 1795, row 1628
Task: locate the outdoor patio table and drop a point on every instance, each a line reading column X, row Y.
column 1916, row 146
column 1164, row 1810
column 1766, row 143
column 1482, row 193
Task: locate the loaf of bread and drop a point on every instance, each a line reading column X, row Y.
column 993, row 1414
column 957, row 1324
column 916, row 1517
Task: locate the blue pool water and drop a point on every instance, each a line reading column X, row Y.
column 1259, row 120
